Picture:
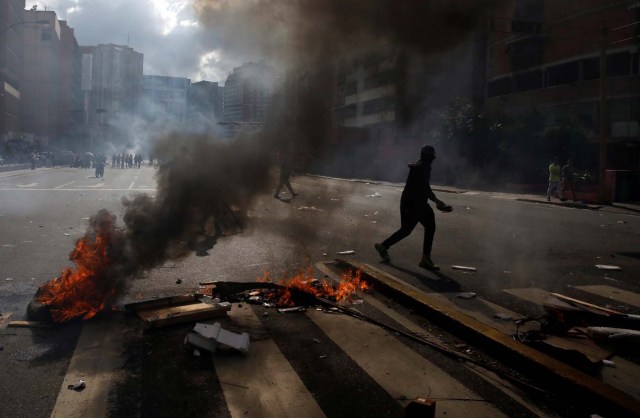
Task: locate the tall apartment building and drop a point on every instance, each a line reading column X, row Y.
column 386, row 100
column 70, row 111
column 11, row 47
column 111, row 85
column 40, row 84
column 546, row 54
column 205, row 105
column 248, row 93
column 164, row 98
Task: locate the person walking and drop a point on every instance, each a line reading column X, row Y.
column 554, row 179
column 568, row 180
column 414, row 208
column 285, row 173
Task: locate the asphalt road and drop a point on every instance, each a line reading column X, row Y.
column 512, row 244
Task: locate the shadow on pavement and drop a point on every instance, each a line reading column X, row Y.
column 442, row 282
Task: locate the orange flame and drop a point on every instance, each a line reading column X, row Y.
column 350, row 282
column 85, row 290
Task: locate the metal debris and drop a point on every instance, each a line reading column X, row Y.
column 295, row 309
column 465, row 268
column 608, row 267
column 78, row 387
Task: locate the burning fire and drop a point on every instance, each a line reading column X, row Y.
column 87, row 289
column 350, row 282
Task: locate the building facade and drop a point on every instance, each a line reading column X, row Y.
column 205, row 105
column 70, row 112
column 546, row 55
column 248, row 93
column 11, row 47
column 40, row 87
column 164, row 98
column 111, row 84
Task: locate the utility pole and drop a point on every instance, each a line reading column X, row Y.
column 603, row 192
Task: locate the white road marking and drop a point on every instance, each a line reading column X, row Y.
column 63, row 185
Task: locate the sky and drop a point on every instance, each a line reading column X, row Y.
column 167, row 32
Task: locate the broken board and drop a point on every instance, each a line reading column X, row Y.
column 161, row 317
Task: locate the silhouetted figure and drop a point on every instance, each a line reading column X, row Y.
column 414, row 208
column 568, row 182
column 285, row 173
column 554, row 179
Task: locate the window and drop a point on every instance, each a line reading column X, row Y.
column 499, row 87
column 591, row 68
column 618, row 64
column 526, row 53
column 378, row 105
column 563, row 74
column 530, row 80
column 346, row 111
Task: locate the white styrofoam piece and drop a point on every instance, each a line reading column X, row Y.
column 222, row 336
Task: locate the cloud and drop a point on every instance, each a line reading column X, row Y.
column 167, row 32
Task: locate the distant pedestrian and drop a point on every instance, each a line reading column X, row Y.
column 414, row 208
column 285, row 173
column 568, row 182
column 113, row 161
column 554, row 179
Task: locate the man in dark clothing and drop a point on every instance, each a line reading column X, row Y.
column 414, row 208
column 285, row 173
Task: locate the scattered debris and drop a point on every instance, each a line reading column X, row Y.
column 420, row 408
column 376, row 194
column 612, row 334
column 78, row 387
column 348, row 252
column 179, row 281
column 503, row 316
column 207, row 337
column 176, row 310
column 466, row 295
column 66, row 234
column 622, row 222
column 323, row 356
column 608, row 267
column 295, row 309
column 465, row 268
column 608, row 363
column 27, row 324
column 461, row 346
column 9, row 279
column 507, row 272
column 309, row 208
column 317, row 340
column 196, row 352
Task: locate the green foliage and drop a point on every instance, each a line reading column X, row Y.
column 509, row 147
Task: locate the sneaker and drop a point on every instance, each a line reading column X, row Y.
column 382, row 250
column 426, row 263
column 548, row 199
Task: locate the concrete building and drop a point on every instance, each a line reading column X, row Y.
column 386, row 100
column 248, row 93
column 70, row 111
column 205, row 106
column 164, row 98
column 11, row 47
column 111, row 86
column 40, row 84
column 546, row 54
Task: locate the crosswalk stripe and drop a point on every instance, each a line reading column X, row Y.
column 262, row 383
column 399, row 370
column 610, row 292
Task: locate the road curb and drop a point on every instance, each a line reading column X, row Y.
column 598, row 396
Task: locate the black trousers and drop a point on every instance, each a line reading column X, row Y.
column 409, row 218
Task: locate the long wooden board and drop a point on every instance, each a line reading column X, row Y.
column 161, row 317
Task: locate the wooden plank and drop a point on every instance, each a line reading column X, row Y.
column 585, row 304
column 160, row 302
column 28, row 324
column 610, row 292
column 602, row 397
column 161, row 317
